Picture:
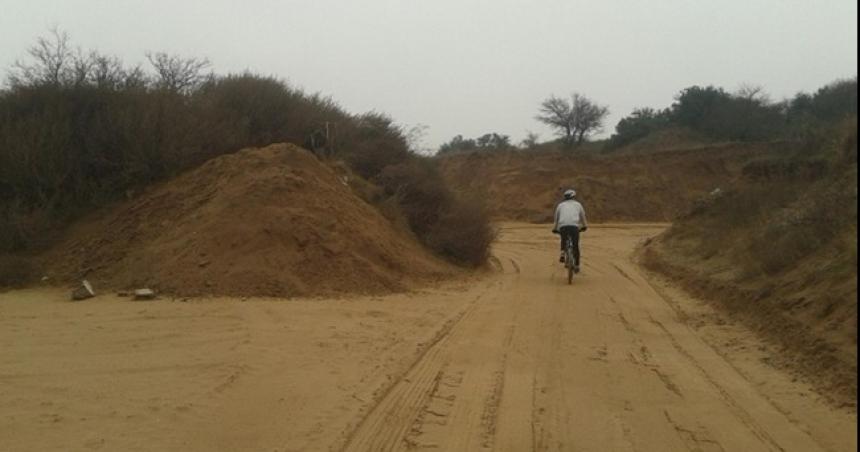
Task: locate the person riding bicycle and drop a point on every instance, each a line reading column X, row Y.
column 569, row 222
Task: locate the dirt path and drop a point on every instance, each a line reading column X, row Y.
column 516, row 361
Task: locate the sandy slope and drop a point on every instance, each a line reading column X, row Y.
column 526, row 186
column 513, row 362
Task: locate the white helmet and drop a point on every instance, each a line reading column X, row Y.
column 569, row 193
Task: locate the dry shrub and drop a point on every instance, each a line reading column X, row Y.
column 13, row 237
column 391, row 210
column 785, row 210
column 781, row 247
column 375, row 143
column 72, row 144
column 420, row 190
column 16, row 271
column 66, row 149
column 22, row 228
column 459, row 229
column 463, row 232
column 849, row 142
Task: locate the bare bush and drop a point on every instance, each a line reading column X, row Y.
column 463, row 232
column 50, row 62
column 420, row 190
column 459, row 229
column 178, row 74
column 377, row 142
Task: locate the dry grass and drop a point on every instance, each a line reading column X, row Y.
column 779, row 250
column 784, row 210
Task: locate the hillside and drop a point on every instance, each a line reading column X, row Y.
column 668, row 139
column 522, row 185
column 778, row 249
column 273, row 221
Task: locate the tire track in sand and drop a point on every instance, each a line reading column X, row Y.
column 388, row 422
column 427, row 393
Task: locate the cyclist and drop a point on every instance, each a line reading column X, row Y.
column 569, row 222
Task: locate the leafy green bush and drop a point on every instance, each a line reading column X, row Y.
column 639, row 124
column 487, row 142
column 747, row 115
column 835, row 101
column 720, row 115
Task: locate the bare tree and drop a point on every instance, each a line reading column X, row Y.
column 753, row 93
column 51, row 60
column 575, row 119
column 106, row 72
column 415, row 136
column 54, row 62
column 81, row 67
column 176, row 73
column 587, row 117
column 134, row 77
column 556, row 113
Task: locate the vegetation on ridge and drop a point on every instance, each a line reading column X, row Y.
column 81, row 129
column 778, row 248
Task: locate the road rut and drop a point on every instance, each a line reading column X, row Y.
column 603, row 364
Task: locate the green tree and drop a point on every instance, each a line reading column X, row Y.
column 493, row 141
column 695, row 106
column 835, row 101
column 745, row 116
column 457, row 144
column 640, row 123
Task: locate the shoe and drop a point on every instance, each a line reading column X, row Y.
column 576, row 268
column 561, row 258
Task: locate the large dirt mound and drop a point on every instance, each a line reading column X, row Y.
column 273, row 221
column 526, row 185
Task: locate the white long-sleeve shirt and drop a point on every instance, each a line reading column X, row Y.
column 570, row 213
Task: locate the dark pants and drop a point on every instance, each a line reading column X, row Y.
column 573, row 233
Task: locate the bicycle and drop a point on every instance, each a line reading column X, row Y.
column 570, row 258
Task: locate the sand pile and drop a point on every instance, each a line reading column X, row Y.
column 273, row 221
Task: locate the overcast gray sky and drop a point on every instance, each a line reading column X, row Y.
column 468, row 66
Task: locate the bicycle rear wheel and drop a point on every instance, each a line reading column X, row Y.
column 568, row 263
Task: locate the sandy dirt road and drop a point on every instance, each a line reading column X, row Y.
column 514, row 361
